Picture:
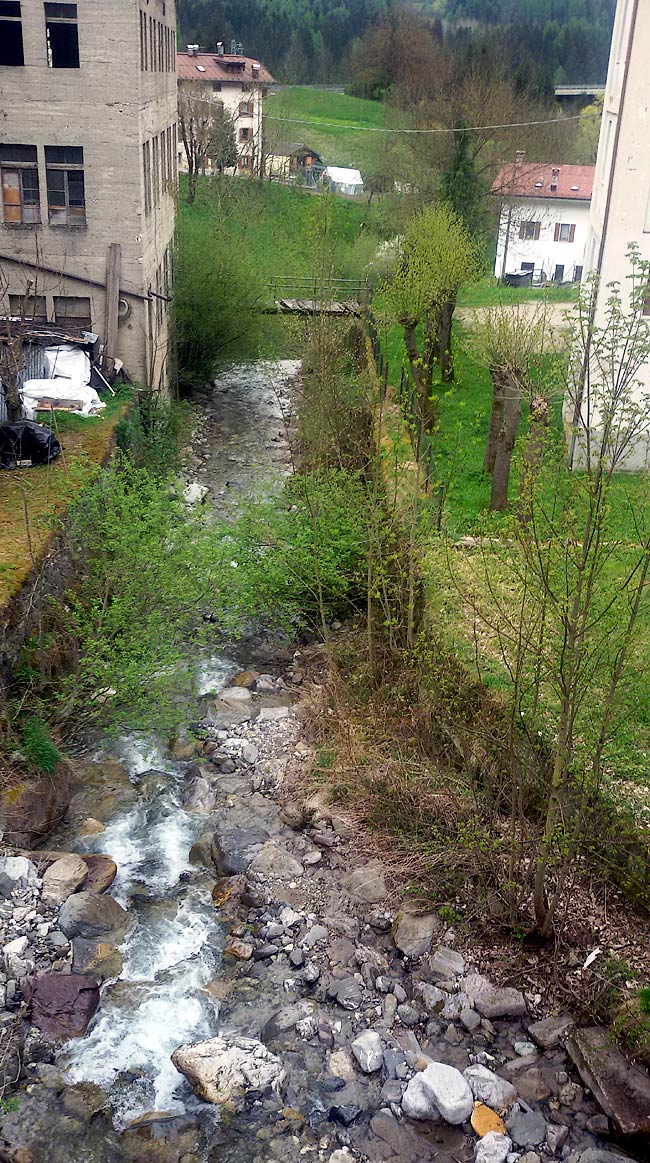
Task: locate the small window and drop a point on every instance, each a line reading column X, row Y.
column 72, row 311
column 216, row 86
column 245, row 108
column 31, row 308
column 527, row 266
column 21, row 205
column 66, row 195
column 62, row 36
column 529, row 230
column 146, row 163
column 11, row 33
column 559, row 273
column 245, row 133
column 564, row 231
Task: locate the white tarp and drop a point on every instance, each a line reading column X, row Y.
column 345, row 180
column 69, row 368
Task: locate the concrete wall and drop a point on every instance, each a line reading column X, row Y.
column 544, row 252
column 109, row 106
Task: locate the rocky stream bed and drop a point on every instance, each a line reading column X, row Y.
column 203, row 968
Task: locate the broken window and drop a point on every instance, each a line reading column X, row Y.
column 31, row 308
column 144, row 64
column 72, row 311
column 66, row 197
column 146, row 161
column 11, row 33
column 20, row 196
column 62, row 35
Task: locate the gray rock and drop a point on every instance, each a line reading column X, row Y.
column 524, row 1049
column 597, row 1155
column 347, row 991
column 441, row 1089
column 492, row 1002
column 550, row 1032
column 621, row 1090
column 392, row 1091
column 297, row 958
column 64, row 877
column 235, row 696
column 399, row 992
column 470, row 1020
column 389, row 1009
column 90, row 914
column 557, row 1135
column 221, row 1069
column 432, row 998
column 454, row 1006
column 527, row 1128
column 418, row 1103
column 233, row 849
column 250, row 753
column 383, row 984
column 368, row 1050
column 15, row 871
column 274, row 860
column 313, row 935
column 413, row 933
column 272, row 714
column 408, row 1015
column 492, row 1148
column 445, row 964
column 488, row 1087
column 367, row 883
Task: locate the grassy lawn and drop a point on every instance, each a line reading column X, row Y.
column 331, row 119
column 489, row 293
column 33, row 499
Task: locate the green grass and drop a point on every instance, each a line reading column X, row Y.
column 490, row 293
column 330, row 124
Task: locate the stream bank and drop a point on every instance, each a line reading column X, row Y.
column 243, row 929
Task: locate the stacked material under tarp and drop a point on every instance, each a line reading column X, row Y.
column 26, row 443
column 67, row 384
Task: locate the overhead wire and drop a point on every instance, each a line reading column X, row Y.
column 437, row 129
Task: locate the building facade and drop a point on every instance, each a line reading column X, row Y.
column 240, row 84
column 544, row 220
column 88, row 154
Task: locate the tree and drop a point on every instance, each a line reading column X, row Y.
column 586, row 145
column 438, row 258
column 200, row 120
column 461, row 187
column 222, row 146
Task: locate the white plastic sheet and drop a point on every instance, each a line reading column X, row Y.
column 60, row 389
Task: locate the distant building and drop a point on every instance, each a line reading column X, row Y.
column 88, row 170
column 293, row 160
column 343, row 180
column 544, row 220
column 239, row 83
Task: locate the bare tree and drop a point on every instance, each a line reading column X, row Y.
column 198, row 119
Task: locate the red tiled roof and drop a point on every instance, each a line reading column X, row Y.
column 208, row 66
column 545, row 180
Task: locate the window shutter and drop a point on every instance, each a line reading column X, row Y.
column 537, row 229
column 557, row 232
column 572, row 232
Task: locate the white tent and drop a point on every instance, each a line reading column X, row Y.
column 343, row 180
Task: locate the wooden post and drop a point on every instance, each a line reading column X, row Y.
column 113, row 271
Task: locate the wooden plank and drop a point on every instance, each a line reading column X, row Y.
column 111, row 306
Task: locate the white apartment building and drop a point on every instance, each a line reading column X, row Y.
column 88, row 172
column 239, row 83
column 620, row 207
column 544, row 220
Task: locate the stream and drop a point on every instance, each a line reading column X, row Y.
column 172, row 949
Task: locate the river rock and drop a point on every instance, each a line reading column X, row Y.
column 550, row 1032
column 233, row 848
column 198, row 796
column 235, row 696
column 620, row 1089
column 99, row 958
column 62, row 1004
column 274, row 860
column 29, row 811
column 527, row 1128
column 63, row 877
column 367, row 883
column 445, row 964
column 492, row 1148
column 162, row 1138
column 492, row 1002
column 221, row 1069
column 15, row 872
column 368, row 1050
column 439, row 1089
column 102, row 871
column 488, row 1087
column 201, row 850
column 413, row 933
column 89, row 914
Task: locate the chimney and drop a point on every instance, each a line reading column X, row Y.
column 256, row 71
column 219, row 48
column 519, row 156
column 192, row 50
column 554, row 177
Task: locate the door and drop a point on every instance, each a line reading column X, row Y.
column 559, row 273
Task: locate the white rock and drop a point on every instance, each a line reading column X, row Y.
column 64, row 877
column 488, row 1087
column 447, row 1091
column 341, row 1066
column 270, row 714
column 417, row 1102
column 369, row 1051
column 492, row 1148
column 18, row 868
column 219, row 1069
column 193, row 493
column 235, row 696
column 18, row 946
column 290, row 918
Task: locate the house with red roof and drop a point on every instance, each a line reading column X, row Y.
column 543, row 221
column 240, row 84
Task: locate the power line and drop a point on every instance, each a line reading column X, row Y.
column 460, row 129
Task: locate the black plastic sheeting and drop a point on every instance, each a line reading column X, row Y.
column 27, row 441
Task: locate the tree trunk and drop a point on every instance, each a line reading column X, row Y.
column 426, row 413
column 506, row 443
column 496, row 418
column 540, row 419
column 445, row 358
column 191, row 189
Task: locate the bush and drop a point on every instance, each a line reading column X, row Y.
column 39, row 750
column 153, row 431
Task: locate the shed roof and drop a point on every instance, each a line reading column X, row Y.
column 289, row 148
column 344, row 175
column 207, row 66
column 545, row 180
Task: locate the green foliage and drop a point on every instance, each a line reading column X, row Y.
column 463, row 188
column 152, row 431
column 9, row 1104
column 37, row 746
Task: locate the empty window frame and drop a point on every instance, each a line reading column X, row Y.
column 645, row 302
column 577, row 274
column 62, row 34
column 529, row 231
column 11, row 33
column 155, row 170
column 146, row 164
column 144, row 56
column 565, row 231
column 31, row 308
column 72, row 311
column 66, row 194
column 527, row 267
column 21, row 205
column 245, row 133
column 216, row 86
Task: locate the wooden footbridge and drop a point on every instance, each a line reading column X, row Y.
column 311, row 296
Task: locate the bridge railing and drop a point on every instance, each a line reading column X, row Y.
column 318, row 289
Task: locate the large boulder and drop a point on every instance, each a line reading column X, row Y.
column 621, row 1089
column 62, row 1004
column 89, row 914
column 99, row 958
column 102, row 871
column 30, row 810
column 413, row 932
column 223, row 1069
column 65, row 876
column 439, row 1090
column 492, row 1002
column 488, row 1087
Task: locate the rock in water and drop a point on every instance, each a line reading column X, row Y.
column 221, row 1069
column 64, row 877
column 88, row 914
column 102, row 871
column 368, row 1051
column 442, row 1090
column 62, row 1004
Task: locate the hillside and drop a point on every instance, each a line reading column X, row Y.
column 327, row 122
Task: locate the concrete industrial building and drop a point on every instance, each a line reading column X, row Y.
column 239, row 83
column 88, row 151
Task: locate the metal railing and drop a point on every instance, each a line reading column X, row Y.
column 317, row 289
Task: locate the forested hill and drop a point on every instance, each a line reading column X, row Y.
column 316, row 40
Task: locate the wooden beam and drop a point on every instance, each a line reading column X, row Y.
column 113, row 272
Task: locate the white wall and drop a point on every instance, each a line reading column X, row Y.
column 544, row 252
column 231, row 95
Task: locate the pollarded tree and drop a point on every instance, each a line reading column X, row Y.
column 438, row 258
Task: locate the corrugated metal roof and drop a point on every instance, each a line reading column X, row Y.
column 207, row 66
column 545, row 180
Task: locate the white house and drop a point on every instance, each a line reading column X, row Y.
column 239, row 83
column 544, row 220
